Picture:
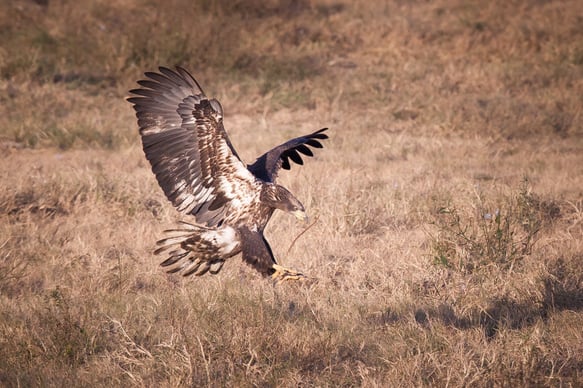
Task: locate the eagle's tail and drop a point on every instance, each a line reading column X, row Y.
column 196, row 249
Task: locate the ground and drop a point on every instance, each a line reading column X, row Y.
column 446, row 234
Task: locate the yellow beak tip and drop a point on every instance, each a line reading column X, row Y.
column 302, row 216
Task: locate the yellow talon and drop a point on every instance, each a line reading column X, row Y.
column 282, row 273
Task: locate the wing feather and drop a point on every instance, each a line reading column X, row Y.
column 188, row 148
column 304, row 150
column 293, row 155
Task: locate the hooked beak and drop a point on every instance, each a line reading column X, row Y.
column 301, row 215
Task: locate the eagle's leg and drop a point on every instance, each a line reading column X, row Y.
column 281, row 273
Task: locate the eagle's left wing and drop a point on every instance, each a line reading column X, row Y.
column 190, row 152
column 267, row 165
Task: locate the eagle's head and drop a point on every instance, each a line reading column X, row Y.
column 278, row 197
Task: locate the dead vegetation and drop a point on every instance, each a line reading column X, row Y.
column 448, row 204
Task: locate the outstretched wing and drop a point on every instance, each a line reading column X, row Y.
column 267, row 165
column 190, row 152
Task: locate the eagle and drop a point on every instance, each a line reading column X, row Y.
column 201, row 174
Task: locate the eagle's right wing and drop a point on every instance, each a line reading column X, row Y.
column 190, row 152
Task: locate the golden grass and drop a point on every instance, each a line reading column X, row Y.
column 448, row 203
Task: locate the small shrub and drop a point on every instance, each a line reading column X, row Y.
column 498, row 234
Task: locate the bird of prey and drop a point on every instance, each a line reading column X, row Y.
column 203, row 177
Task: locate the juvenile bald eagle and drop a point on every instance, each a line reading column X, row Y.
column 201, row 174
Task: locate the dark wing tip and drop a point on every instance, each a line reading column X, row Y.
column 301, row 147
column 304, row 150
column 139, row 92
column 293, row 155
column 155, row 76
column 319, row 134
column 314, row 143
column 285, row 163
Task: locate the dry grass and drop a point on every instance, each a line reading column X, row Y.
column 448, row 242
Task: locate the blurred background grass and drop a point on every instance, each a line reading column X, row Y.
column 499, row 70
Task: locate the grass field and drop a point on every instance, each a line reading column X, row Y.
column 447, row 205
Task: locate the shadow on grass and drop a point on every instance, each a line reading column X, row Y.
column 561, row 291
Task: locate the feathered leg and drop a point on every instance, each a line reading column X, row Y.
column 257, row 252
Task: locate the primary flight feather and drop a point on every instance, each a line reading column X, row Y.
column 201, row 174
